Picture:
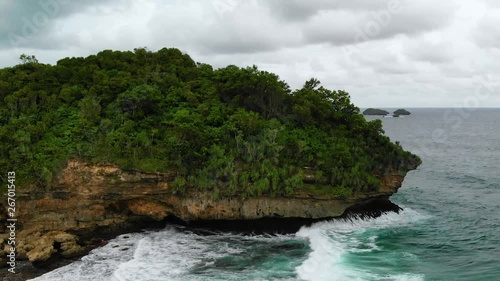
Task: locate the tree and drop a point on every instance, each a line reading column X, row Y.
column 311, row 84
column 27, row 59
column 140, row 101
column 90, row 109
column 235, row 131
column 253, row 89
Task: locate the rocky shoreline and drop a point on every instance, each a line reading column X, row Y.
column 93, row 203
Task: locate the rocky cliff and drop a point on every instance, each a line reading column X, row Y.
column 89, row 203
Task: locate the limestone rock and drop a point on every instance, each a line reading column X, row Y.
column 147, row 208
column 89, row 201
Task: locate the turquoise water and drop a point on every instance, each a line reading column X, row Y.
column 449, row 229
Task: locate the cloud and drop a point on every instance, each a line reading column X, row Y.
column 487, row 34
column 355, row 26
column 492, row 3
column 297, row 10
column 225, row 26
column 253, row 26
column 246, row 28
column 417, row 53
column 27, row 23
column 425, row 50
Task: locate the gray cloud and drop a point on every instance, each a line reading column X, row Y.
column 431, row 52
column 245, row 28
column 487, row 34
column 297, row 10
column 27, row 23
column 492, row 3
column 342, row 26
column 252, row 26
column 426, row 49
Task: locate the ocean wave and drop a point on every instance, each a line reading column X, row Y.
column 100, row 263
column 314, row 253
column 331, row 241
column 180, row 254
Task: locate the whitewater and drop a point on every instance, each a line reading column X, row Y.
column 318, row 252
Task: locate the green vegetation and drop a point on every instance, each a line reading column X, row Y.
column 232, row 131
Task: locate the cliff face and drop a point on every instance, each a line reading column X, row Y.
column 90, row 201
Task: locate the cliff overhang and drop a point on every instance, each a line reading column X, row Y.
column 91, row 203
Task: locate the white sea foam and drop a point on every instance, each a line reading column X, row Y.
column 172, row 255
column 168, row 254
column 331, row 241
column 177, row 255
column 100, row 263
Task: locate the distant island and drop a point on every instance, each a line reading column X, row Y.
column 399, row 112
column 375, row 111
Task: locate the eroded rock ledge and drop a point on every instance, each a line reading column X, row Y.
column 94, row 202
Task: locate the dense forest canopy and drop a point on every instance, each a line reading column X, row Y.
column 231, row 131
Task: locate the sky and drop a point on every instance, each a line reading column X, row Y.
column 385, row 53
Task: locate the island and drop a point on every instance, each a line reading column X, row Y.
column 400, row 112
column 375, row 111
column 124, row 140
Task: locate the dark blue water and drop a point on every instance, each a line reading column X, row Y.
column 449, row 229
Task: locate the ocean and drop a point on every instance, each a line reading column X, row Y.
column 449, row 228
